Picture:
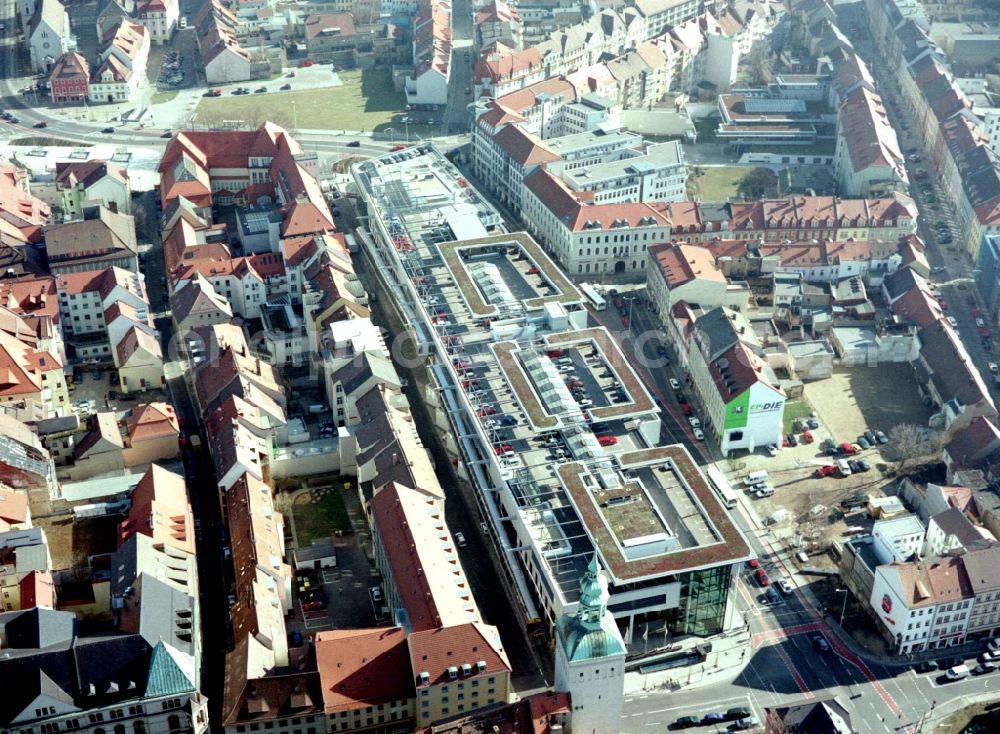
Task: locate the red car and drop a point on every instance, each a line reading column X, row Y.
column 574, row 383
column 686, row 409
column 470, row 383
column 502, row 449
column 532, row 270
column 554, row 353
column 395, row 148
column 461, row 362
column 785, row 442
column 761, row 575
column 826, row 470
column 625, row 321
column 847, row 449
column 753, row 563
column 807, row 437
column 607, row 440
column 488, row 410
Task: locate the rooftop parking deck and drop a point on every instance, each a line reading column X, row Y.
column 522, row 269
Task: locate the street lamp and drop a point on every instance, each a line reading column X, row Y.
column 631, row 300
column 843, row 608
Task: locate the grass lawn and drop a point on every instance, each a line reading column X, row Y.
column 319, row 519
column 716, row 183
column 366, row 101
column 794, row 409
column 160, row 97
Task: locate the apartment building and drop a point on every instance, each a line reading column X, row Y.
column 588, row 237
column 659, row 16
column 160, row 18
column 744, row 401
column 923, row 605
column 428, row 85
column 366, row 678
column 148, row 674
column 89, row 182
column 591, row 238
column 982, row 570
column 121, row 67
column 898, row 539
column 101, row 238
column 31, row 374
column 85, row 298
column 678, row 272
column 867, row 159
column 69, row 80
column 458, row 669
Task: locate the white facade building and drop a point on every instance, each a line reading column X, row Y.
column 898, row 540
column 923, row 605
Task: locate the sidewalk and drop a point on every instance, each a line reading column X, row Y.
column 727, row 659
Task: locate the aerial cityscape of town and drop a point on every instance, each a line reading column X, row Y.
column 499, row 366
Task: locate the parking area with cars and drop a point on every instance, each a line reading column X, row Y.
column 867, row 398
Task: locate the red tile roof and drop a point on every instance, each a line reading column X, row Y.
column 149, row 421
column 363, row 667
column 523, row 147
column 160, row 510
column 682, row 264
column 434, row 651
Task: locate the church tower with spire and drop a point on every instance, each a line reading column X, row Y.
column 590, row 658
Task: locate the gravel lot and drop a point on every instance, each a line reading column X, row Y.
column 867, row 397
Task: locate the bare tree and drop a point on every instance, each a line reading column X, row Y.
column 256, row 116
column 760, row 68
column 909, row 443
column 366, row 11
column 757, row 184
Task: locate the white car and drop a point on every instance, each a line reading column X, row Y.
column 460, row 538
column 585, row 403
column 674, row 384
column 994, row 368
column 698, row 434
column 786, row 588
column 980, row 323
column 772, row 450
column 695, row 423
column 951, row 320
column 763, row 492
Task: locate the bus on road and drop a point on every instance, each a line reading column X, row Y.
column 595, row 298
column 721, row 485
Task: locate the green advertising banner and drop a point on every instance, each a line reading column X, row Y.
column 737, row 412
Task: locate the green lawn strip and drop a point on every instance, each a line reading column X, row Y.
column 795, row 409
column 366, row 100
column 321, row 519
